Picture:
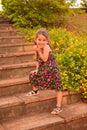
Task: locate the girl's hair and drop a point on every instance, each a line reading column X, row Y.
column 45, row 33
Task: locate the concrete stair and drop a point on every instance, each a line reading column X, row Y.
column 11, row 39
column 10, row 32
column 6, row 26
column 19, row 104
column 15, row 55
column 14, row 70
column 14, row 48
column 14, row 86
column 14, row 58
column 69, row 119
column 18, row 111
column 4, row 19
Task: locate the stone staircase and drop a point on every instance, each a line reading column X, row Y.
column 21, row 112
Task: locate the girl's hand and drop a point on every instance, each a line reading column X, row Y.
column 37, row 48
column 34, row 71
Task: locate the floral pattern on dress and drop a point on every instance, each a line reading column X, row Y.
column 48, row 75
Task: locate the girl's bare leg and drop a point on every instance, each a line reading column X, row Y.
column 35, row 88
column 59, row 98
column 58, row 108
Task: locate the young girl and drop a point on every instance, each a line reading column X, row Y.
column 47, row 73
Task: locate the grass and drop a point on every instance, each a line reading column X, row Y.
column 77, row 24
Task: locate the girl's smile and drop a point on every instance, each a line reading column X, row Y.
column 41, row 41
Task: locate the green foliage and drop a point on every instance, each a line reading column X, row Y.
column 31, row 13
column 0, row 13
column 73, row 65
column 78, row 11
column 84, row 4
column 71, row 54
column 61, row 39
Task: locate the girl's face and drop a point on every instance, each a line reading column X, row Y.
column 41, row 41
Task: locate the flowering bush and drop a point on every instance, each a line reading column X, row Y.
column 71, row 54
column 73, row 66
column 84, row 94
column 61, row 40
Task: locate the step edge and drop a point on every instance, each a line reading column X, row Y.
column 27, row 100
column 36, row 127
column 10, row 37
column 15, row 66
column 11, row 82
column 44, row 125
column 17, row 54
column 10, row 30
column 16, row 44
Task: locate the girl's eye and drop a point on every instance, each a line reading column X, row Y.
column 41, row 40
column 44, row 40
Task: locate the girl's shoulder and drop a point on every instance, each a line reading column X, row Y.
column 47, row 47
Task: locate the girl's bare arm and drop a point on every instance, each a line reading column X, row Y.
column 45, row 54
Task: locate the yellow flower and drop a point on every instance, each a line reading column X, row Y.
column 80, row 81
column 72, row 74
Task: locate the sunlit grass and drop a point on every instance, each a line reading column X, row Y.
column 77, row 24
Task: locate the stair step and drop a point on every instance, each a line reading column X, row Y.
column 11, row 39
column 36, row 122
column 10, row 32
column 6, row 26
column 16, row 70
column 14, row 86
column 17, row 58
column 73, row 117
column 20, row 104
column 3, row 19
column 1, row 127
column 18, row 47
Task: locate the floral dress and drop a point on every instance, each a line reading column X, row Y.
column 48, row 75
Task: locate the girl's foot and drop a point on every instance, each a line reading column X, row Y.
column 57, row 110
column 33, row 92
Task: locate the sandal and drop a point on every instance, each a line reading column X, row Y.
column 33, row 92
column 57, row 110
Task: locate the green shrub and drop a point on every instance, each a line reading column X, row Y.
column 31, row 13
column 61, row 39
column 71, row 54
column 73, row 65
